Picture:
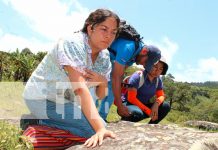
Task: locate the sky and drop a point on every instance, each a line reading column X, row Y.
column 186, row 31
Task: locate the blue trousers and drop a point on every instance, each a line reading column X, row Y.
column 106, row 102
column 137, row 114
column 66, row 116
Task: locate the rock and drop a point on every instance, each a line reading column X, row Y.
column 205, row 125
column 132, row 136
column 205, row 145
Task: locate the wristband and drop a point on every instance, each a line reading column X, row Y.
column 158, row 102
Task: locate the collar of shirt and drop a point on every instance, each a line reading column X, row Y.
column 147, row 79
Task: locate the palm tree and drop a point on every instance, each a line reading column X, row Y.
column 18, row 66
column 23, row 66
column 4, row 65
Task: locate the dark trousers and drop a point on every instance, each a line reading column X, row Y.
column 137, row 114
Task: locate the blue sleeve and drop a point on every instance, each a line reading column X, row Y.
column 160, row 84
column 124, row 50
column 134, row 80
column 130, row 63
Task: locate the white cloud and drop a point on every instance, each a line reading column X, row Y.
column 1, row 32
column 168, row 48
column 52, row 18
column 10, row 42
column 206, row 70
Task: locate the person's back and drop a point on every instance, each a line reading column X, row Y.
column 123, row 51
column 122, row 54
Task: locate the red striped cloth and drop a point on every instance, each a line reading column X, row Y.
column 44, row 137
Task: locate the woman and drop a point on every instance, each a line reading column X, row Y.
column 144, row 86
column 57, row 92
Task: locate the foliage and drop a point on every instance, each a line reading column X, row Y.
column 18, row 66
column 11, row 138
column 209, row 84
column 189, row 102
column 130, row 70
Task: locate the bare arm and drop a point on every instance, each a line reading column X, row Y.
column 88, row 108
column 87, row 104
column 117, row 75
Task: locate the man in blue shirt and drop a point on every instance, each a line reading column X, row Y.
column 123, row 55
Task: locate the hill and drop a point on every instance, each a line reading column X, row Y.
column 209, row 84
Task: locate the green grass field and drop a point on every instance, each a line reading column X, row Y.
column 12, row 104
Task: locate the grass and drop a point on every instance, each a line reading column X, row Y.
column 12, row 107
column 11, row 138
column 12, row 104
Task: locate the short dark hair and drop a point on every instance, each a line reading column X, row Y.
column 99, row 16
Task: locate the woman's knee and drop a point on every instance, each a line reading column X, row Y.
column 135, row 110
column 136, row 114
column 165, row 107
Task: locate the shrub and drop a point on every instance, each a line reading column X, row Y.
column 11, row 138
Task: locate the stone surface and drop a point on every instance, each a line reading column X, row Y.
column 203, row 125
column 138, row 136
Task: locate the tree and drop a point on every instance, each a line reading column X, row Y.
column 18, row 66
column 5, row 63
column 26, row 51
column 170, row 76
column 23, row 64
column 169, row 88
column 1, row 65
column 39, row 56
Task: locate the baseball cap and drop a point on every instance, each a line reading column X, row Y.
column 154, row 55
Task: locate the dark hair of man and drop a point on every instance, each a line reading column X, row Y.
column 99, row 16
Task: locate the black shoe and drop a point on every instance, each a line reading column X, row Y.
column 124, row 119
column 24, row 122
